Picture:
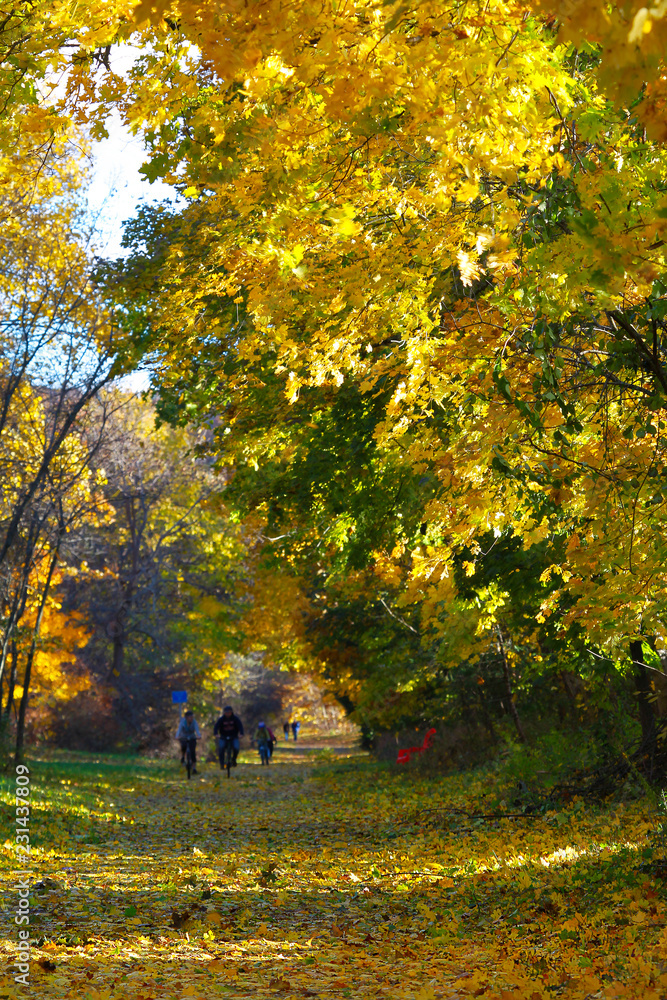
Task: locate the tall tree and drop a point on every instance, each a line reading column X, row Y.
column 159, row 582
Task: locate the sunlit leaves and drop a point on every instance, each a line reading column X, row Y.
column 349, row 878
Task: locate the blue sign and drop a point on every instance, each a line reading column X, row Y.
column 178, row 697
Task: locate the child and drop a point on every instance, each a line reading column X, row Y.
column 264, row 740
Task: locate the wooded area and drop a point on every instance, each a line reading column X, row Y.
column 400, row 473
column 406, row 339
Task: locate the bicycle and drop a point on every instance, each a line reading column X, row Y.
column 189, row 763
column 227, row 754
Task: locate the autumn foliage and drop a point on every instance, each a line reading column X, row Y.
column 403, row 451
column 406, row 325
column 418, row 282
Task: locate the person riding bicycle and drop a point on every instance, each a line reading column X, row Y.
column 228, row 726
column 188, row 734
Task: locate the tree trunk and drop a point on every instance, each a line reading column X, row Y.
column 5, row 714
column 12, row 677
column 486, row 716
column 118, row 654
column 570, row 695
column 20, row 724
column 345, row 702
column 642, row 689
column 507, row 674
column 20, row 595
column 659, row 681
column 119, row 632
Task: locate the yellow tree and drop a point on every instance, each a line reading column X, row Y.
column 438, row 199
column 70, row 495
column 435, row 198
column 57, row 347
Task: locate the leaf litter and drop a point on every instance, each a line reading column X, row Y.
column 325, row 879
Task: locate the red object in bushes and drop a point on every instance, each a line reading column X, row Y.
column 405, row 755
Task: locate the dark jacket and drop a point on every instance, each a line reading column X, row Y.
column 231, row 726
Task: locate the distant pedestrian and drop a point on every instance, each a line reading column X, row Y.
column 286, row 729
column 295, row 729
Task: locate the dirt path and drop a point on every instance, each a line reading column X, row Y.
column 314, row 877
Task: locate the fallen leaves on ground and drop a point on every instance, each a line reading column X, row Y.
column 327, row 879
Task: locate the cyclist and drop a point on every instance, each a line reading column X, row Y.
column 264, row 739
column 228, row 726
column 188, row 734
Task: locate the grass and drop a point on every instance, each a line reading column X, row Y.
column 329, row 875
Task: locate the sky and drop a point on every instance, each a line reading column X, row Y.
column 117, row 187
column 115, row 190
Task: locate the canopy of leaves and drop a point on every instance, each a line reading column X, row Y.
column 462, row 242
column 417, row 297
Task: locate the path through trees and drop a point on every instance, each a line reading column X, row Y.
column 330, row 876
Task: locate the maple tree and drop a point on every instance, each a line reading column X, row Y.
column 454, row 213
column 465, row 230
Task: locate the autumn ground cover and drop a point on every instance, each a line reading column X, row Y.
column 329, row 875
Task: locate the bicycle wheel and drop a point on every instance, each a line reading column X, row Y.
column 188, row 762
column 228, row 759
